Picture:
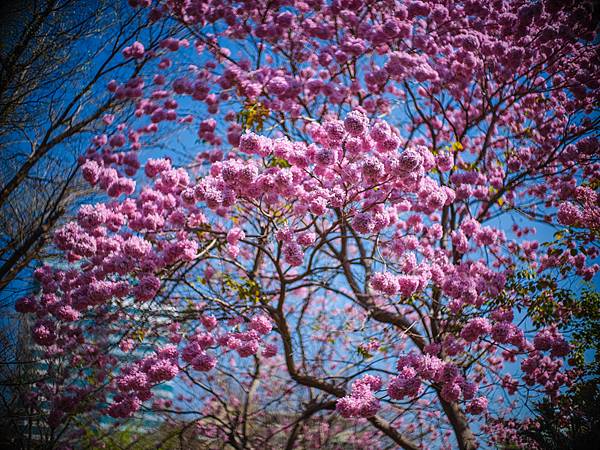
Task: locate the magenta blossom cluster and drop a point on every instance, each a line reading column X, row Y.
column 356, row 169
column 415, row 369
column 136, row 381
column 361, row 402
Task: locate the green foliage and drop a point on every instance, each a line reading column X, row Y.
column 246, row 290
column 279, row 162
column 586, row 336
column 572, row 423
column 576, row 313
column 133, row 436
column 253, row 116
column 364, row 353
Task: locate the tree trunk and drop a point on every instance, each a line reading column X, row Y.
column 464, row 436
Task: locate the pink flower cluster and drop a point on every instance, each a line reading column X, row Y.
column 412, row 195
column 136, row 381
column 361, row 402
column 195, row 352
column 551, row 339
column 121, row 260
column 545, row 371
column 108, row 179
column 475, row 329
column 585, row 213
column 135, row 50
column 390, row 284
column 414, row 369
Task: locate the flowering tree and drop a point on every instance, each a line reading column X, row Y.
column 55, row 60
column 352, row 235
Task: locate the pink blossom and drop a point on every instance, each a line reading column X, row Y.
column 248, row 348
column 135, row 50
column 204, row 362
column 356, row 123
column 409, row 161
column 293, row 253
column 25, row 305
column 307, row 238
column 477, row 405
column 569, row 214
column 361, row 402
column 209, row 321
column 261, row 324
column 250, row 143
column 147, row 288
column 373, row 170
column 44, row 332
column 335, row 131
column 475, row 328
column 90, row 171
column 269, row 351
column 406, row 384
column 155, row 166
column 385, row 282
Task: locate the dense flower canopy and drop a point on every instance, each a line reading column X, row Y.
column 371, row 177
